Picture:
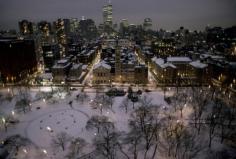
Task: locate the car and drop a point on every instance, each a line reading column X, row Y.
column 73, row 89
column 115, row 92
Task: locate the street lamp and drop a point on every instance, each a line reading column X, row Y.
column 3, row 120
column 44, row 151
column 49, row 129
column 25, row 151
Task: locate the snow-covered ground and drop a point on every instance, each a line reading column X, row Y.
column 49, row 117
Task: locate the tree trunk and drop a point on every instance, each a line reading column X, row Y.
column 154, row 153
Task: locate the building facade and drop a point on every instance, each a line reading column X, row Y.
column 18, row 59
column 101, row 73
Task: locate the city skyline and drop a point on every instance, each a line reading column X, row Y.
column 170, row 15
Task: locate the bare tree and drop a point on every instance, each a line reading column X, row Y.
column 76, row 147
column 24, row 99
column 106, row 141
column 199, row 101
column 9, row 119
column 23, row 105
column 176, row 141
column 131, row 141
column 212, row 119
column 14, row 143
column 60, row 140
column 145, row 119
column 179, row 101
column 82, row 97
column 125, row 104
column 97, row 122
column 101, row 101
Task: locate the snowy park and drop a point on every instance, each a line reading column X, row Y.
column 81, row 123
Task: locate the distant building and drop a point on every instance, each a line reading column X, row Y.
column 164, row 48
column 101, row 73
column 61, row 70
column 87, row 56
column 26, row 27
column 147, row 24
column 140, row 74
column 50, row 54
column 182, row 63
column 75, row 72
column 62, row 30
column 87, row 29
column 107, row 15
column 44, row 28
column 124, row 24
column 17, row 59
column 74, row 25
column 199, row 73
column 164, row 72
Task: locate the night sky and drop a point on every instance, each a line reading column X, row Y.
column 166, row 14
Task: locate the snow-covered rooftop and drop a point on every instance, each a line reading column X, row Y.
column 46, row 76
column 198, row 64
column 158, row 61
column 102, row 64
column 178, row 59
column 165, row 65
column 63, row 61
column 76, row 66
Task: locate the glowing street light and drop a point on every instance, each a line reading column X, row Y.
column 25, row 151
column 3, row 120
column 44, row 151
column 13, row 113
column 49, row 129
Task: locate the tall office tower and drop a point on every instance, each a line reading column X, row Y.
column 26, row 27
column 147, row 24
column 44, row 28
column 107, row 15
column 87, row 29
column 74, row 25
column 62, row 30
column 124, row 24
column 46, row 33
column 17, row 59
column 50, row 55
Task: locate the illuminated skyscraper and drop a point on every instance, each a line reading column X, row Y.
column 147, row 24
column 26, row 27
column 107, row 15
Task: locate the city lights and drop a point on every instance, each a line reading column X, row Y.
column 25, row 151
column 99, row 87
column 44, row 151
column 3, row 120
